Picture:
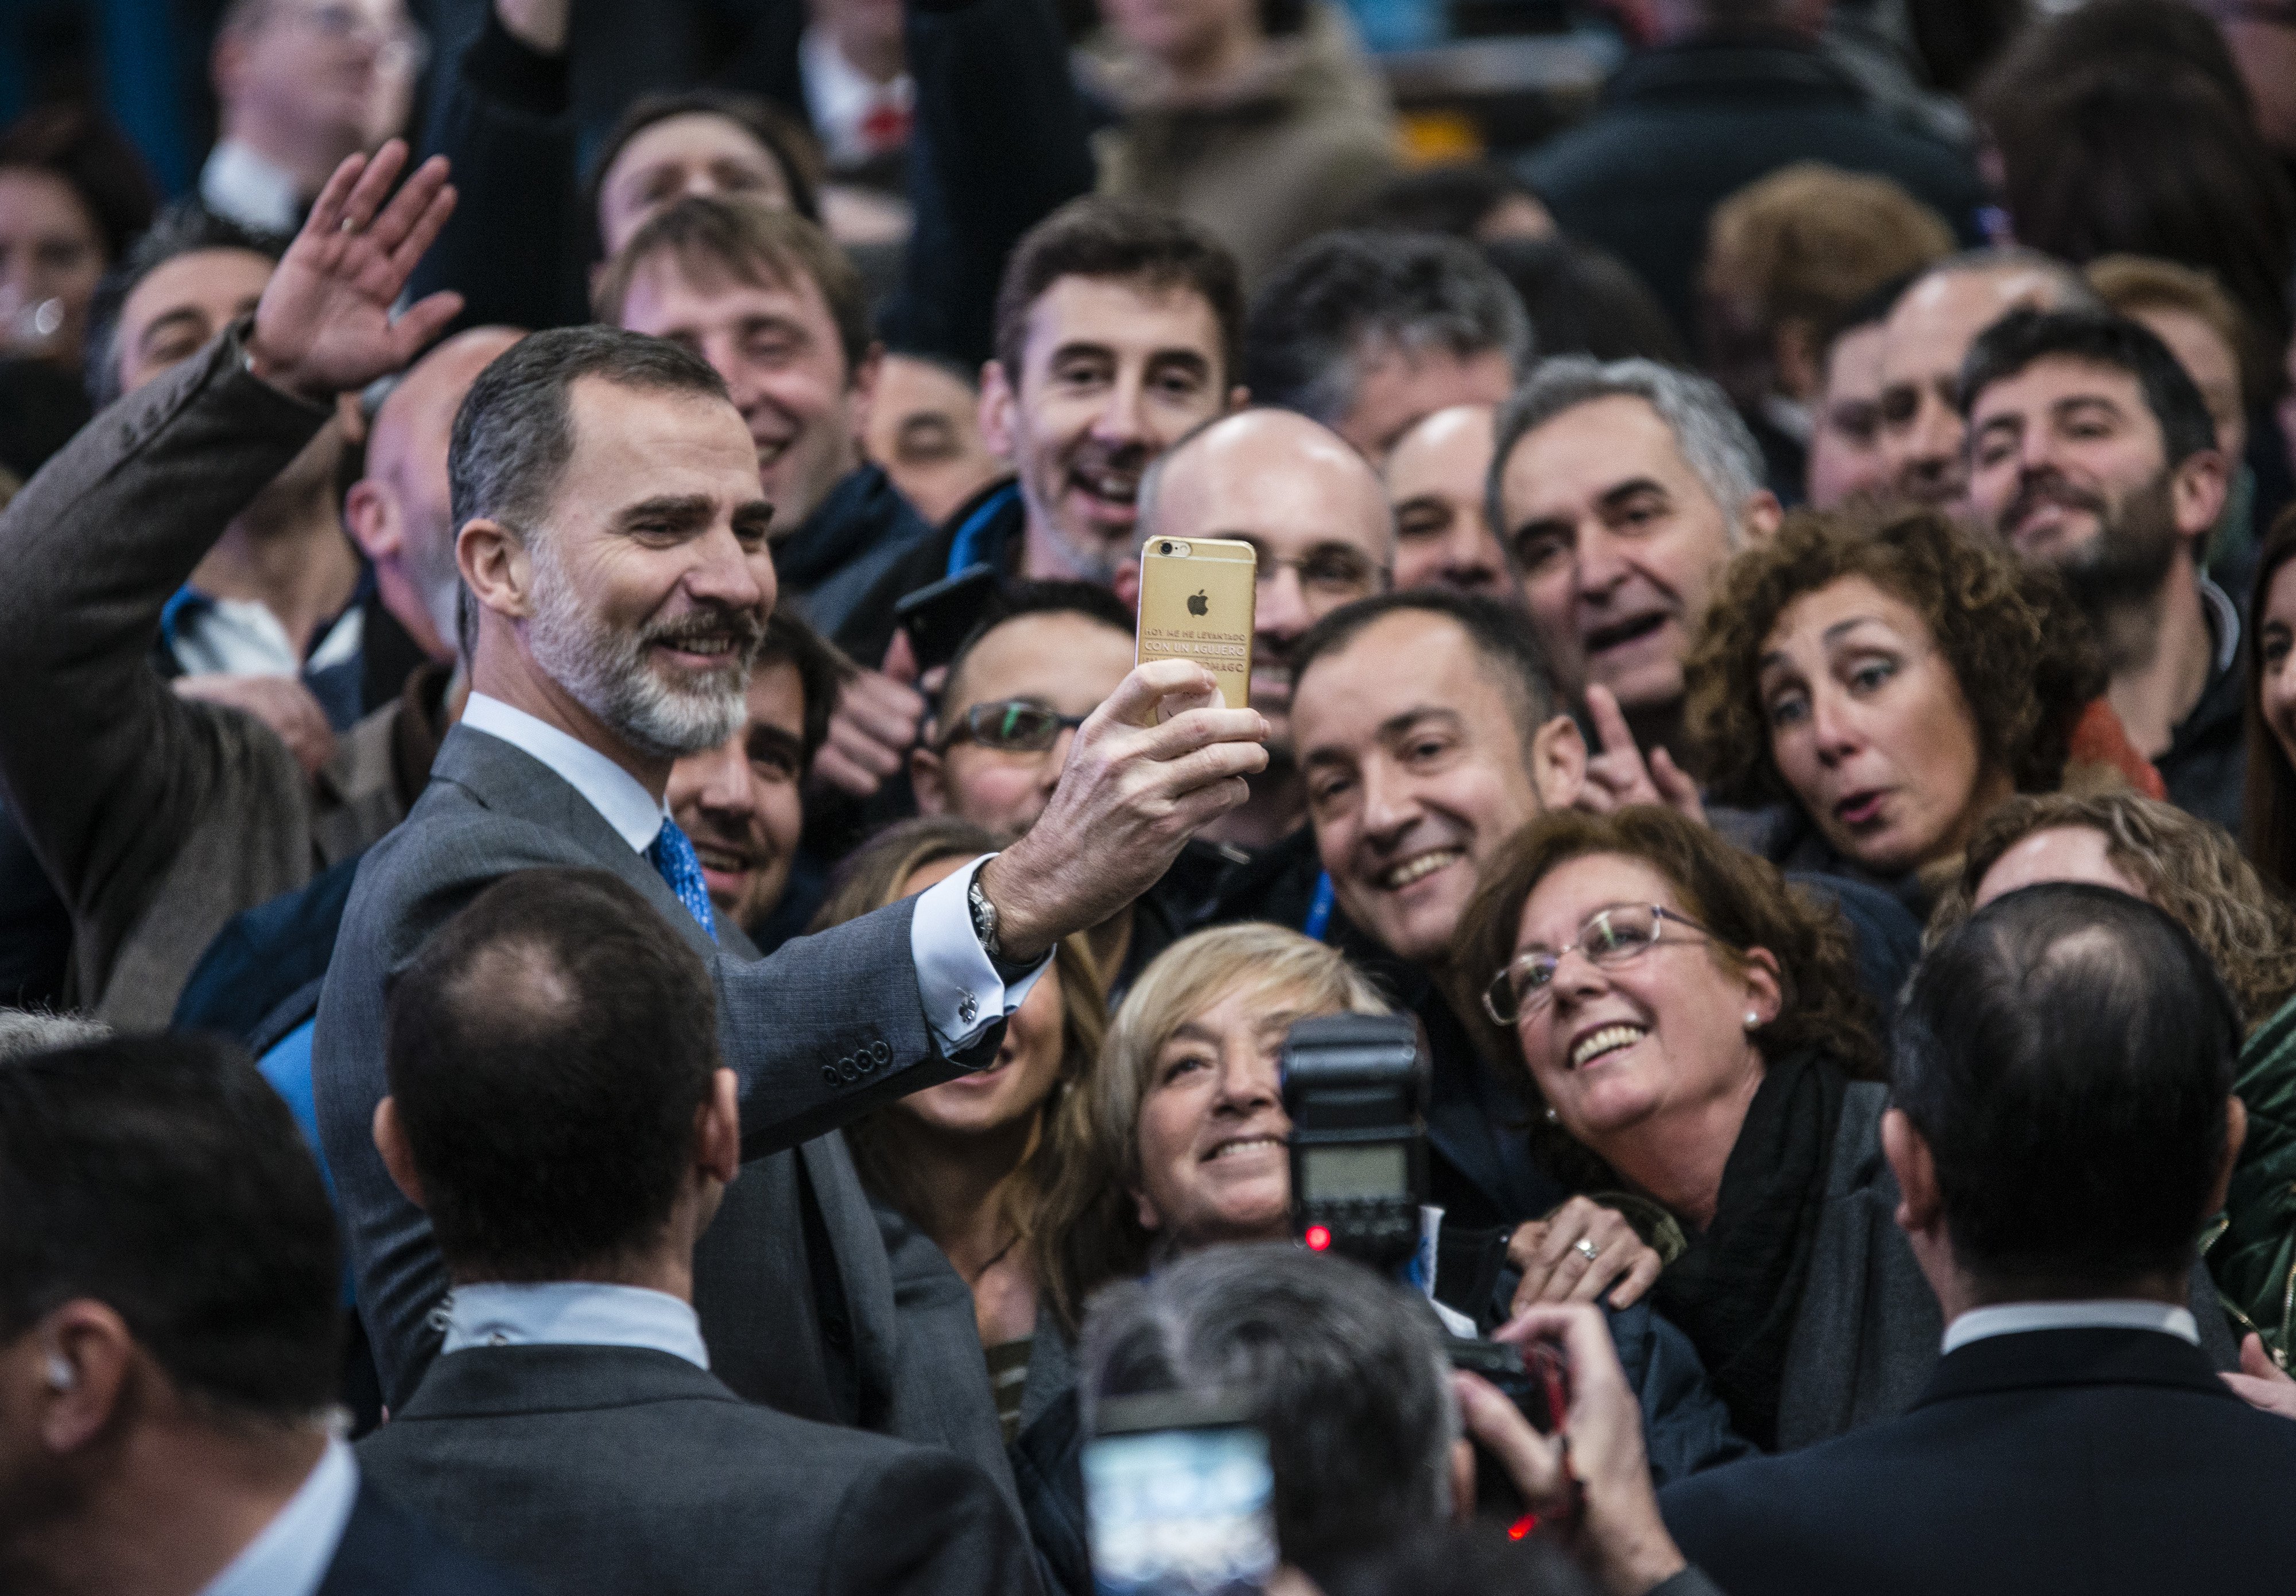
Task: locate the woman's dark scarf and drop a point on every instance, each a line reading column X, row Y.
column 1736, row 1289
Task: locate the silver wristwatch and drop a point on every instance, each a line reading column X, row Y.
column 984, row 920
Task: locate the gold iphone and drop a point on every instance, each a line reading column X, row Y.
column 1197, row 596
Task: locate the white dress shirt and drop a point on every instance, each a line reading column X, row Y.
column 573, row 1314
column 2015, row 1318
column 242, row 186
column 842, row 99
column 295, row 1550
column 963, row 995
column 241, row 637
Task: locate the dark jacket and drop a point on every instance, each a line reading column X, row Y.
column 609, row 1469
column 830, row 567
column 2098, row 1460
column 989, row 528
column 386, row 1553
column 2206, row 766
column 1682, row 127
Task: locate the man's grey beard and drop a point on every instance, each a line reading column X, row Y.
column 607, row 671
column 2123, row 564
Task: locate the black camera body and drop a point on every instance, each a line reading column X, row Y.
column 1355, row 1088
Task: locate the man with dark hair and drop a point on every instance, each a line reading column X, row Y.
column 1116, row 330
column 1845, row 414
column 2065, row 1125
column 612, row 544
column 558, row 1109
column 1371, row 332
column 2091, row 450
column 1727, row 91
column 169, row 1337
column 1925, row 339
column 778, row 311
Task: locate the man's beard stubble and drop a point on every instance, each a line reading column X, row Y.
column 607, row 671
column 2124, row 563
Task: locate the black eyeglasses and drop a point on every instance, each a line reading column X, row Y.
column 1009, row 726
column 1611, row 937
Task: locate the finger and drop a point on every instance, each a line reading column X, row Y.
column 1674, row 788
column 2254, row 1360
column 1134, row 701
column 1206, row 805
column 1533, row 1461
column 403, row 211
column 867, row 754
column 423, row 321
column 1200, row 729
column 407, row 253
column 900, row 659
column 1600, row 1275
column 832, row 766
column 1610, row 722
column 1521, row 1245
column 1639, row 1279
column 373, row 186
column 1221, row 762
column 327, row 210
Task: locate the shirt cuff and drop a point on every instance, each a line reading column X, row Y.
column 963, row 995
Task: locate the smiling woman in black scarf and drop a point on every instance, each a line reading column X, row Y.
column 1694, row 1034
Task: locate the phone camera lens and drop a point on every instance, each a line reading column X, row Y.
column 1165, row 549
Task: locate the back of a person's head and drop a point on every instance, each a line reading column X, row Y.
column 1585, row 300
column 1119, row 240
column 1808, row 240
column 82, row 149
column 1343, row 295
column 2067, row 1053
column 546, row 1052
column 1344, row 1372
column 162, row 1177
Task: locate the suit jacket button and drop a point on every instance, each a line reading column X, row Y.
column 881, row 1052
column 846, row 1071
column 829, row 1074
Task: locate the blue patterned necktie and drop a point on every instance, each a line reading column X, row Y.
column 673, row 856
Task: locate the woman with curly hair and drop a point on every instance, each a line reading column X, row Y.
column 1881, row 688
column 971, row 1162
column 2191, row 870
column 1692, row 1033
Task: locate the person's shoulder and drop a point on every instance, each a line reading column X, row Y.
column 387, row 1551
column 1777, row 1507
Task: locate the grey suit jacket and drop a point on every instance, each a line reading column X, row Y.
column 611, row 1469
column 793, row 1283
column 1866, row 1338
column 157, row 817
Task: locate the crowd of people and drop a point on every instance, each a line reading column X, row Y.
column 618, row 976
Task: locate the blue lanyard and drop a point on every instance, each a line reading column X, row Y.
column 962, row 548
column 1319, row 910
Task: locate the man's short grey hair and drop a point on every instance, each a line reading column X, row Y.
column 515, row 432
column 1712, row 436
column 1344, row 1372
column 24, row 1032
column 1321, row 308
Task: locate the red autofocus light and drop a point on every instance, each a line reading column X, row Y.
column 1319, row 1237
column 1523, row 1527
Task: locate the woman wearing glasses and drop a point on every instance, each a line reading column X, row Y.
column 1695, row 1039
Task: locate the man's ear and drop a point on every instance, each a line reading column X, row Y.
column 927, row 780
column 1124, row 581
column 2196, row 495
column 1920, row 1205
column 863, row 389
column 994, row 411
column 1239, row 397
column 1760, row 514
column 397, row 1156
column 1793, row 356
column 82, row 1356
column 1558, row 762
column 370, row 516
column 718, row 1129
column 495, row 567
column 2235, row 1137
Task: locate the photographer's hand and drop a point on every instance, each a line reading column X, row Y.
column 1618, row 1534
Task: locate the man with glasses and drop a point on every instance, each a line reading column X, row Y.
column 299, row 85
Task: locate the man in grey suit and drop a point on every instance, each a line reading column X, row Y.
column 611, row 538
column 557, row 1106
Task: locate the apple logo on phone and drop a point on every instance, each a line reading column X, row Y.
column 1198, row 604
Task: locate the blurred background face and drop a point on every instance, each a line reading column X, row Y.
column 1180, row 33
column 1617, row 541
column 739, row 802
column 1064, row 662
column 776, row 344
column 181, row 303
column 1869, row 727
column 2057, row 854
column 1417, row 768
column 696, row 153
column 2276, row 650
column 2211, row 363
column 1845, row 442
column 1396, row 387
column 1112, row 375
column 1662, row 1033
column 1213, row 1133
column 333, row 72
column 1311, row 509
column 1924, row 341
column 1435, row 481
column 924, row 429
column 1007, row 1093
column 50, row 257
